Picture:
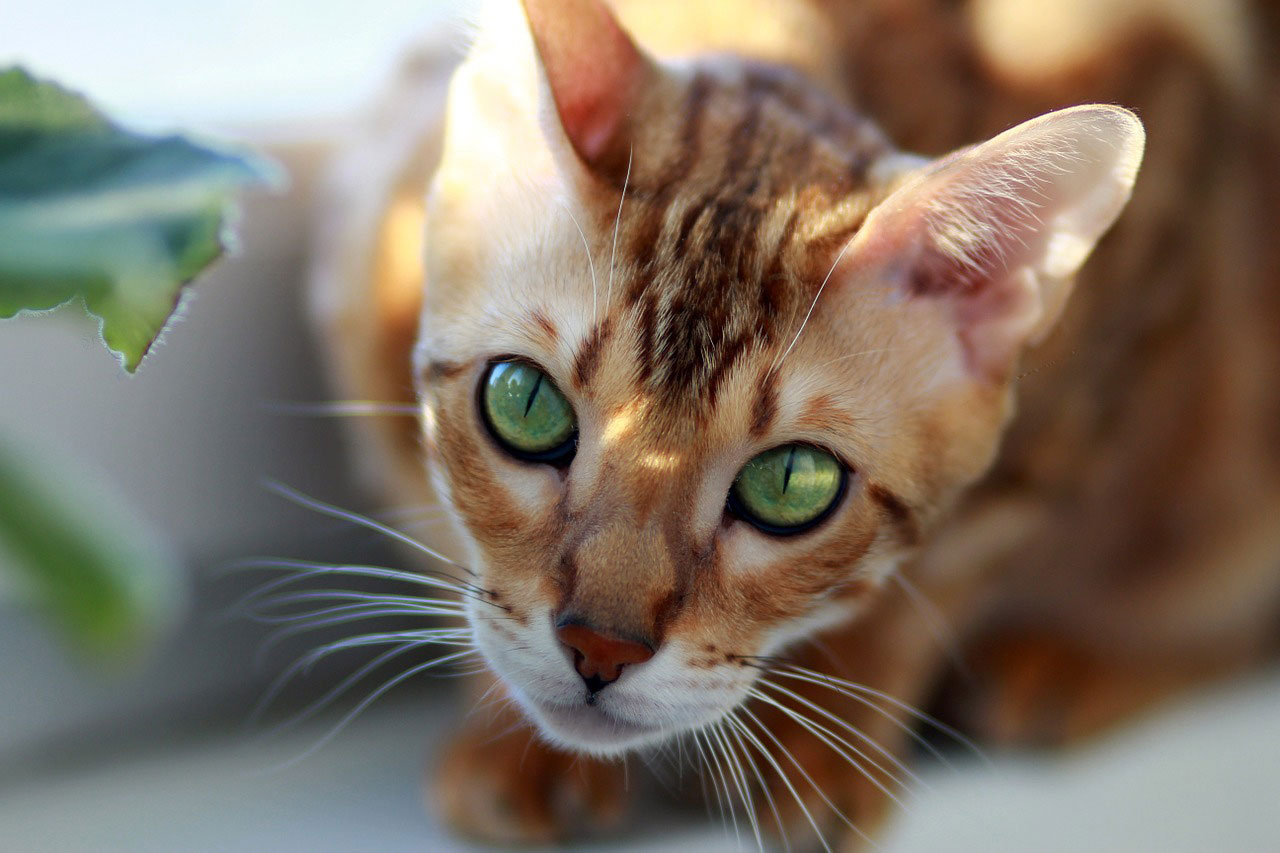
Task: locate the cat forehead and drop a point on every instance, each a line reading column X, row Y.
column 726, row 232
column 709, row 247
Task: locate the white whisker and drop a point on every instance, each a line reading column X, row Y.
column 738, row 729
column 860, row 354
column 934, row 622
column 590, row 262
column 345, row 409
column 816, row 787
column 743, row 784
column 786, row 780
column 309, row 569
column 853, row 730
column 860, row 693
column 718, row 753
column 450, row 637
column 840, row 746
column 617, row 221
column 706, row 760
column 340, row 616
column 333, row 693
column 439, row 606
column 777, row 362
column 355, row 518
column 369, row 700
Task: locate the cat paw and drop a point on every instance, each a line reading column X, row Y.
column 509, row 787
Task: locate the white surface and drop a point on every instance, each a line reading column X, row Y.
column 1200, row 777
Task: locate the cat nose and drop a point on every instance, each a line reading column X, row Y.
column 598, row 657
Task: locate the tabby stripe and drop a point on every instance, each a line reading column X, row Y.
column 900, row 515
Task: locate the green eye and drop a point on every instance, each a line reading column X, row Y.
column 787, row 489
column 527, row 413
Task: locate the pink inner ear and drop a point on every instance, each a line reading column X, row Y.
column 594, row 69
column 994, row 234
column 994, row 300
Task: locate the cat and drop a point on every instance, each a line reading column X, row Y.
column 718, row 385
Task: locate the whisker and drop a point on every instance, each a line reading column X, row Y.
column 369, row 700
column 860, row 692
column 304, row 570
column 341, row 616
column 355, row 518
column 459, row 672
column 450, row 637
column 590, row 262
column 411, row 512
column 344, row 409
column 719, row 749
column 738, row 729
column 805, row 322
column 334, row 692
column 437, row 606
column 935, row 623
column 311, row 568
column 808, row 778
column 860, row 354
column 862, row 736
column 866, row 702
column 617, row 221
column 786, row 780
column 489, row 691
column 744, row 786
column 839, row 745
column 697, row 741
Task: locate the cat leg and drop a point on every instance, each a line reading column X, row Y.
column 497, row 781
column 1038, row 689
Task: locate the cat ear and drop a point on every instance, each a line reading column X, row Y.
column 995, row 233
column 596, row 73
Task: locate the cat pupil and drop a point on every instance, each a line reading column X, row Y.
column 533, row 394
column 786, row 474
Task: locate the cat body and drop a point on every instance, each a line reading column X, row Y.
column 694, row 220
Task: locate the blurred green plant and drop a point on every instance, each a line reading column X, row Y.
column 120, row 222
column 116, row 219
column 104, row 577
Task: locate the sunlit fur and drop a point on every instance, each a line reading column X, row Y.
column 751, row 273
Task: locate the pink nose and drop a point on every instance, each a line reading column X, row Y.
column 599, row 658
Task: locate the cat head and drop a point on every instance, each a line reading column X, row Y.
column 703, row 356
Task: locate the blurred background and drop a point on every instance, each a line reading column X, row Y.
column 156, row 754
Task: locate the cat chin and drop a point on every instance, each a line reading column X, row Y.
column 592, row 730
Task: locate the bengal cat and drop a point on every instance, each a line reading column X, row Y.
column 718, row 385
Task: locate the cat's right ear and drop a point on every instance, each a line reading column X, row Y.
column 989, row 239
column 597, row 75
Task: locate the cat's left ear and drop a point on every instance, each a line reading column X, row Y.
column 597, row 75
column 991, row 236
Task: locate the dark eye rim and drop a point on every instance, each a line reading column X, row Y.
column 557, row 457
column 735, row 508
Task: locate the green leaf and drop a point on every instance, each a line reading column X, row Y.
column 91, row 211
column 79, row 553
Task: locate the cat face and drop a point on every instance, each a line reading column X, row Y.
column 702, row 357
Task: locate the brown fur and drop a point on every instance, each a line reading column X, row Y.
column 1131, row 516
